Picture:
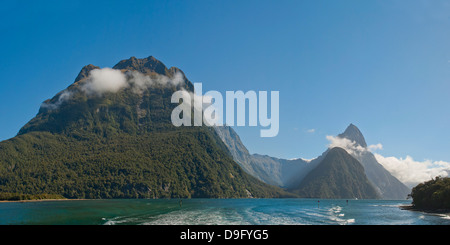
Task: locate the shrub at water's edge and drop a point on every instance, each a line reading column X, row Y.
column 22, row 197
column 432, row 195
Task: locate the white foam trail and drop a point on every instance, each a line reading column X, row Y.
column 197, row 218
column 445, row 216
column 350, row 221
column 335, row 215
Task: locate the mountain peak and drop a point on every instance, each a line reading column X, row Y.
column 85, row 72
column 145, row 65
column 338, row 175
column 352, row 133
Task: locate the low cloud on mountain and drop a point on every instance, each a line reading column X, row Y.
column 112, row 80
column 63, row 97
column 104, row 80
column 407, row 170
column 350, row 146
column 412, row 172
column 107, row 80
column 141, row 82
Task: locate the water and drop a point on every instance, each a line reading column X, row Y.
column 216, row 212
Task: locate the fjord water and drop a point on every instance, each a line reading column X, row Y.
column 216, row 211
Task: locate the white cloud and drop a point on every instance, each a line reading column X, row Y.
column 407, row 170
column 104, row 80
column 311, row 130
column 63, row 97
column 111, row 80
column 140, row 82
column 350, row 146
column 375, row 147
column 177, row 79
column 308, row 160
column 412, row 172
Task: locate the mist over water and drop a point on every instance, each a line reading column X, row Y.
column 217, row 212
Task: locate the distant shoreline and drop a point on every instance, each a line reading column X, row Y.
column 42, row 200
column 430, row 211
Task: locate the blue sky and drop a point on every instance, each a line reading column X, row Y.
column 381, row 65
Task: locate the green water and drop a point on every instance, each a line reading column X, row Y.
column 214, row 211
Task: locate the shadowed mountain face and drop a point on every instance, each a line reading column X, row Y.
column 271, row 170
column 291, row 173
column 338, row 175
column 122, row 144
column 387, row 185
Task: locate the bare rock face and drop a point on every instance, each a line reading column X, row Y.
column 145, row 66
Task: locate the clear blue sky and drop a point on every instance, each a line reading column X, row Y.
column 382, row 65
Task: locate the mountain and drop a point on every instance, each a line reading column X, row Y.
column 271, row 170
column 338, row 176
column 352, row 133
column 109, row 135
column 237, row 149
column 387, row 185
column 290, row 173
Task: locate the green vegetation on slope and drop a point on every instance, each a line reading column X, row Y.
column 432, row 195
column 26, row 197
column 121, row 145
column 339, row 175
column 182, row 163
